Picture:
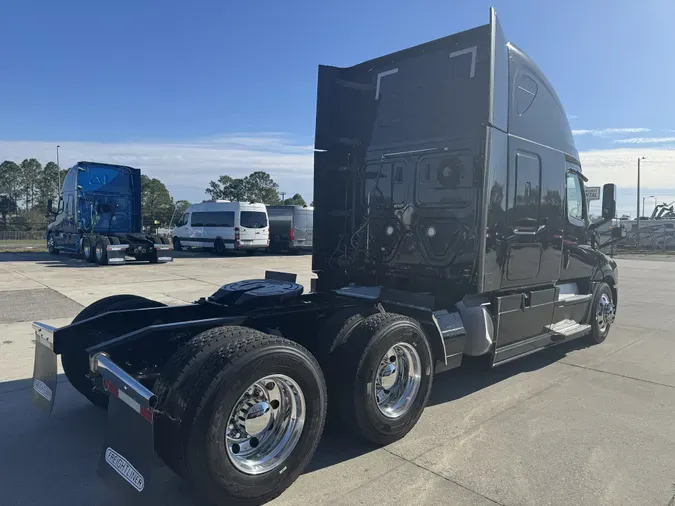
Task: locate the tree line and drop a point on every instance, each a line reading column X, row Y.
column 256, row 187
column 26, row 187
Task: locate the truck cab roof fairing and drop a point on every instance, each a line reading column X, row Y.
column 535, row 111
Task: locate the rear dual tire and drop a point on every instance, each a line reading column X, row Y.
column 379, row 375
column 88, row 249
column 206, row 413
column 95, row 249
column 101, row 250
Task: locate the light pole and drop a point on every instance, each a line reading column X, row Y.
column 638, row 203
column 643, row 203
column 59, row 167
column 283, row 194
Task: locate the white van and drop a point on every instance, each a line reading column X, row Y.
column 222, row 225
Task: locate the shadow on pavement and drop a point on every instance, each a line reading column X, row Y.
column 44, row 258
column 24, row 257
column 476, row 373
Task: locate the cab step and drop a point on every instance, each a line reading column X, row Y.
column 568, row 329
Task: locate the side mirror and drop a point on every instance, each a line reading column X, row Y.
column 50, row 206
column 609, row 201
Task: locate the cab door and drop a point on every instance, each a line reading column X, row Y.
column 531, row 248
column 525, row 231
column 534, row 214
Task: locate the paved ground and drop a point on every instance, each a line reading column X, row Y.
column 571, row 425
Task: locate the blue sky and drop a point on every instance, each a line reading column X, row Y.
column 187, row 93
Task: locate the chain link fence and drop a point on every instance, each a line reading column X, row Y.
column 22, row 235
column 656, row 236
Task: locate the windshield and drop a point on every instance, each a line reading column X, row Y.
column 253, row 219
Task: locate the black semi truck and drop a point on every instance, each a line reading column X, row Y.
column 450, row 221
column 98, row 216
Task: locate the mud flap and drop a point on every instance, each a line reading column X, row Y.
column 116, row 253
column 44, row 367
column 128, row 455
column 163, row 253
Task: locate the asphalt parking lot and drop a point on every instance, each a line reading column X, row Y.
column 570, row 425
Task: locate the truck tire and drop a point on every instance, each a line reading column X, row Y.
column 602, row 314
column 51, row 245
column 216, row 391
column 177, row 245
column 385, row 378
column 101, row 250
column 76, row 362
column 88, row 249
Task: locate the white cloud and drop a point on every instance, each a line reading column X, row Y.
column 620, row 166
column 645, row 140
column 607, row 132
column 187, row 167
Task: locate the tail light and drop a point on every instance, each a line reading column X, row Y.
column 291, row 235
column 237, row 237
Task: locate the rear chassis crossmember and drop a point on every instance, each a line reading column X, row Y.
column 117, row 253
column 120, row 245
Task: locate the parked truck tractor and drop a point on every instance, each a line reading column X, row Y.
column 98, row 216
column 450, row 221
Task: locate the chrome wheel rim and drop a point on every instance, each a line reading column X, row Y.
column 265, row 424
column 99, row 252
column 87, row 249
column 605, row 312
column 397, row 380
column 50, row 243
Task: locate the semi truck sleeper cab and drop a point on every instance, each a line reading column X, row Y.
column 450, row 220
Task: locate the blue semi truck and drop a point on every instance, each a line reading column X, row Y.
column 98, row 216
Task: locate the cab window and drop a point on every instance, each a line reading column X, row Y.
column 575, row 199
